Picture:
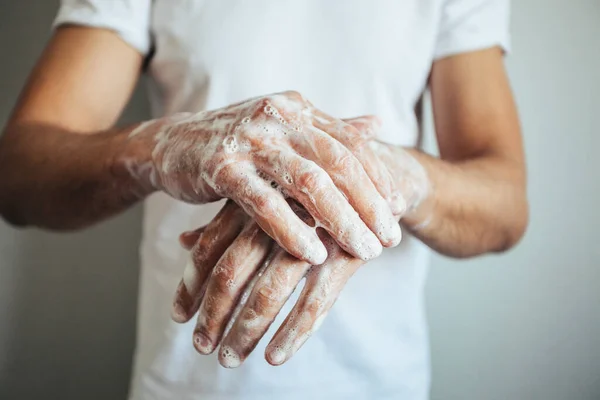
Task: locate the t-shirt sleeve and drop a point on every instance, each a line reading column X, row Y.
column 130, row 19
column 468, row 25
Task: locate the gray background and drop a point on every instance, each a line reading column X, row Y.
column 524, row 325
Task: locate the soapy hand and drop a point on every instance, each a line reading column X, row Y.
column 260, row 152
column 241, row 289
column 241, row 294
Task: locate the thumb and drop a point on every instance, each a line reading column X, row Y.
column 188, row 239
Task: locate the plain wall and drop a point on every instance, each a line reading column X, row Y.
column 67, row 301
column 523, row 325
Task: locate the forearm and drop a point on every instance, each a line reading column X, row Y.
column 473, row 206
column 56, row 179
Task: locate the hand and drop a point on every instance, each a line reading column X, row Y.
column 248, row 293
column 260, row 151
column 400, row 179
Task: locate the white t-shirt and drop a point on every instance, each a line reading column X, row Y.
column 349, row 57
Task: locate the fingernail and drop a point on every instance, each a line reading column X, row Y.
column 276, row 357
column 370, row 248
column 392, row 235
column 387, row 226
column 320, row 254
column 397, row 204
column 315, row 251
column 229, row 358
column 202, row 344
column 178, row 313
column 398, row 235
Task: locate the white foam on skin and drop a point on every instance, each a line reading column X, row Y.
column 244, row 297
column 326, row 289
column 325, row 284
column 277, row 356
column 252, row 322
column 229, row 358
column 190, row 277
column 321, row 120
column 420, row 226
column 358, row 237
column 410, row 185
column 290, row 340
column 193, row 155
column 386, row 226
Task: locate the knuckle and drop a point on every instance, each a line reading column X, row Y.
column 264, row 204
column 223, row 277
column 227, row 169
column 282, row 99
column 208, row 312
column 306, row 181
column 313, row 308
column 264, row 297
column 199, row 254
column 343, row 161
column 221, row 287
column 230, row 179
column 202, row 327
column 355, row 133
column 282, row 279
column 220, row 168
column 310, row 178
column 293, row 94
column 265, row 102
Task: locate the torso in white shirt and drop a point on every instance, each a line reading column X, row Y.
column 349, row 58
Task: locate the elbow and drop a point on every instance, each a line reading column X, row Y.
column 12, row 217
column 13, row 198
column 515, row 228
column 10, row 212
column 10, row 206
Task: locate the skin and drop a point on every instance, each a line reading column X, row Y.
column 60, row 146
column 265, row 287
column 469, row 202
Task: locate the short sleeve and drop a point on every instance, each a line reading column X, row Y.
column 130, row 19
column 468, row 25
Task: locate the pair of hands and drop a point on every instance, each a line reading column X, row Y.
column 258, row 153
column 323, row 188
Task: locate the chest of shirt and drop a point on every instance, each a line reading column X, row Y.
column 265, row 43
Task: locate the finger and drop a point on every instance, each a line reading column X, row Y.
column 354, row 134
column 378, row 162
column 310, row 185
column 268, row 296
column 273, row 214
column 374, row 165
column 351, row 132
column 350, row 178
column 378, row 171
column 188, row 239
column 210, row 245
column 368, row 126
column 227, row 282
column 323, row 285
column 365, row 130
column 350, row 136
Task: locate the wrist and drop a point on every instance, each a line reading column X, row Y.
column 132, row 159
column 417, row 188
